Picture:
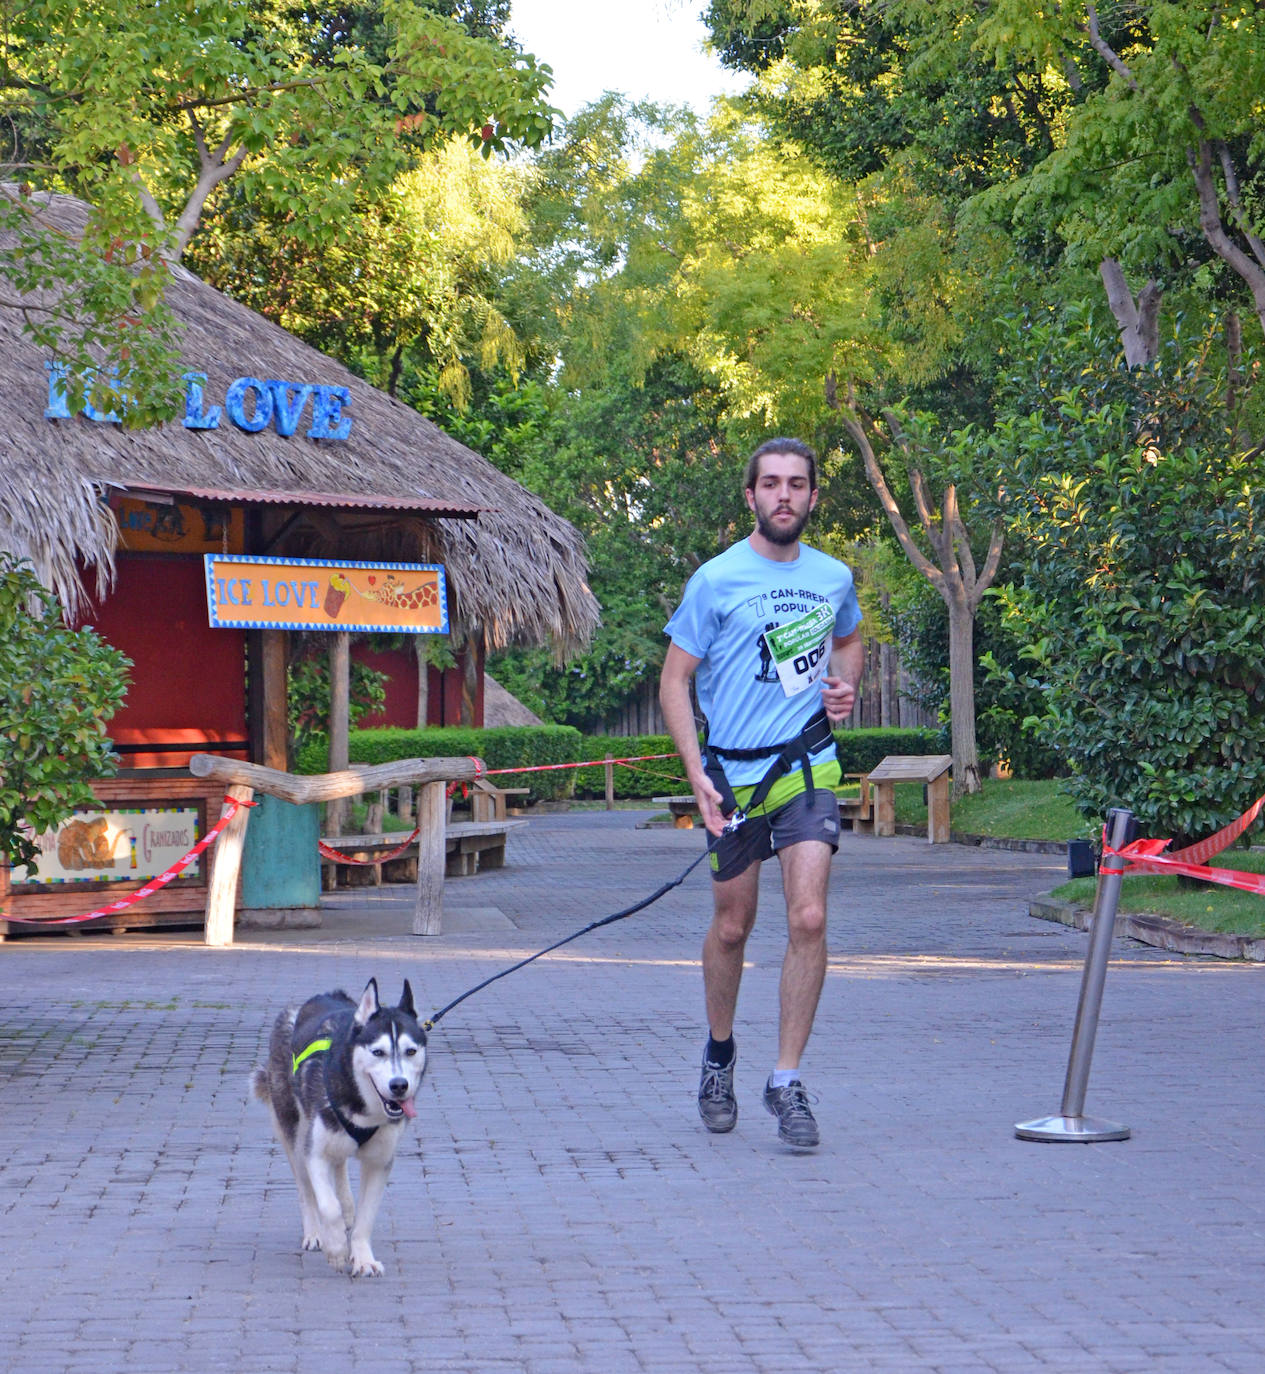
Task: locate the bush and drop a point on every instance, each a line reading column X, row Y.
column 1143, row 528
column 505, row 747
column 861, row 750
column 58, row 688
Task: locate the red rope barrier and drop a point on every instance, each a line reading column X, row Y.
column 338, row 857
column 150, row 887
column 1144, row 856
column 588, row 763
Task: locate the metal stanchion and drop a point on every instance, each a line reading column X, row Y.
column 1072, row 1124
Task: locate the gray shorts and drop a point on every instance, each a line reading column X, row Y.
column 760, row 837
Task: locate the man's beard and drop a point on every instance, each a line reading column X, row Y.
column 778, row 534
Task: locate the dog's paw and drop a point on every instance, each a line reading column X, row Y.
column 336, row 1257
column 364, row 1266
column 311, row 1241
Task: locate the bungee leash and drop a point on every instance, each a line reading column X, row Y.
column 593, row 925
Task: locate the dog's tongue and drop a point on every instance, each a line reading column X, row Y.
column 408, row 1108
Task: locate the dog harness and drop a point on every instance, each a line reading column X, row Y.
column 791, row 753
column 360, row 1134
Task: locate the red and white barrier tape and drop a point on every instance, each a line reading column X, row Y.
column 1145, row 856
column 232, row 803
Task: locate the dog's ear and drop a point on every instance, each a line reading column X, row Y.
column 406, row 1000
column 369, row 1003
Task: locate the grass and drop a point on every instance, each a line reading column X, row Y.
column 1019, row 810
column 1012, row 810
column 1208, row 907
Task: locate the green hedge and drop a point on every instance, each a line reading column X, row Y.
column 503, row 747
column 653, row 778
column 527, row 745
column 861, row 750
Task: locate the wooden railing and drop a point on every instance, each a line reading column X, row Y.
column 242, row 780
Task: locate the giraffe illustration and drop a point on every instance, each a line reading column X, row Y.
column 394, row 593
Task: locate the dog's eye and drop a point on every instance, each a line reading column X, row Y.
column 411, row 1051
column 379, row 1054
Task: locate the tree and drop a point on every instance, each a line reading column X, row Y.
column 952, row 568
column 58, row 688
column 145, row 109
column 1143, row 526
column 412, row 285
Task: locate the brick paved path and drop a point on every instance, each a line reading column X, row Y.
column 559, row 1209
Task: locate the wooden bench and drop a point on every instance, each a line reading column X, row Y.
column 856, row 810
column 468, row 847
column 489, row 802
column 682, row 809
column 932, row 770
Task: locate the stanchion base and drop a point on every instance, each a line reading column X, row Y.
column 1084, row 1130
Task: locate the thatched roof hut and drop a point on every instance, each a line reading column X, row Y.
column 516, row 571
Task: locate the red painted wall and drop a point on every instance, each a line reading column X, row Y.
column 400, row 666
column 186, row 676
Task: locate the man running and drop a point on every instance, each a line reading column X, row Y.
column 771, row 628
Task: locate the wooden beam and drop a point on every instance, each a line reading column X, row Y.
column 350, row 782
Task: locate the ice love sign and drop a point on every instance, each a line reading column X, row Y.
column 251, row 404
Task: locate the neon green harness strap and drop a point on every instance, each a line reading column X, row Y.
column 314, row 1048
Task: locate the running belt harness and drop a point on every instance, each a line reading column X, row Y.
column 789, row 754
column 360, row 1134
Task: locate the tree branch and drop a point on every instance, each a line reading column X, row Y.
column 875, row 473
column 1105, row 51
column 1138, row 320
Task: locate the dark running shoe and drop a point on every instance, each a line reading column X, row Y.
column 717, row 1104
column 796, row 1125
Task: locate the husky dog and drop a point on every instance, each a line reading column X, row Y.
column 339, row 1083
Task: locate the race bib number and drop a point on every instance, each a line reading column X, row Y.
column 801, row 649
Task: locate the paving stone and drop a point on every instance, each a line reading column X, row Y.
column 558, row 1208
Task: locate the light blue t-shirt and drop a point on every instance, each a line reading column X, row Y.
column 763, row 630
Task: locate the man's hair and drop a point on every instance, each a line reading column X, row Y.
column 797, row 447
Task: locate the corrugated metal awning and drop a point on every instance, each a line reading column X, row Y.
column 420, row 505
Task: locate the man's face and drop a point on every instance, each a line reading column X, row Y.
column 781, row 498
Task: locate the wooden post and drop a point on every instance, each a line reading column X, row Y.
column 938, row 810
column 339, row 721
column 6, row 896
column 610, row 783
column 226, row 867
column 884, row 808
column 432, row 807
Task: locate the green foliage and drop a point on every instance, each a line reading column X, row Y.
column 58, row 688
column 308, row 696
column 144, row 109
column 517, row 746
column 1143, row 530
column 861, row 750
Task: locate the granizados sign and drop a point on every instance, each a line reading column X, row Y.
column 249, row 403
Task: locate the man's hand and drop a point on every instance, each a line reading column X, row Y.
column 837, row 697
column 708, row 800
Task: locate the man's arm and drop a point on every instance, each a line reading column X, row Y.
column 678, row 715
column 839, row 689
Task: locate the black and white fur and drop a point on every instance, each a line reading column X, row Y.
column 368, row 1076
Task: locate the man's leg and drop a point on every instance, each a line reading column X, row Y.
column 805, row 878
column 724, row 947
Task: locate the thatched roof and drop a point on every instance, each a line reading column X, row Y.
column 517, row 570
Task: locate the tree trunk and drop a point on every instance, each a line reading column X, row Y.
column 966, row 775
column 339, row 722
column 423, row 680
column 470, row 678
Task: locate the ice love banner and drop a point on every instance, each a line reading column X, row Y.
column 246, row 593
